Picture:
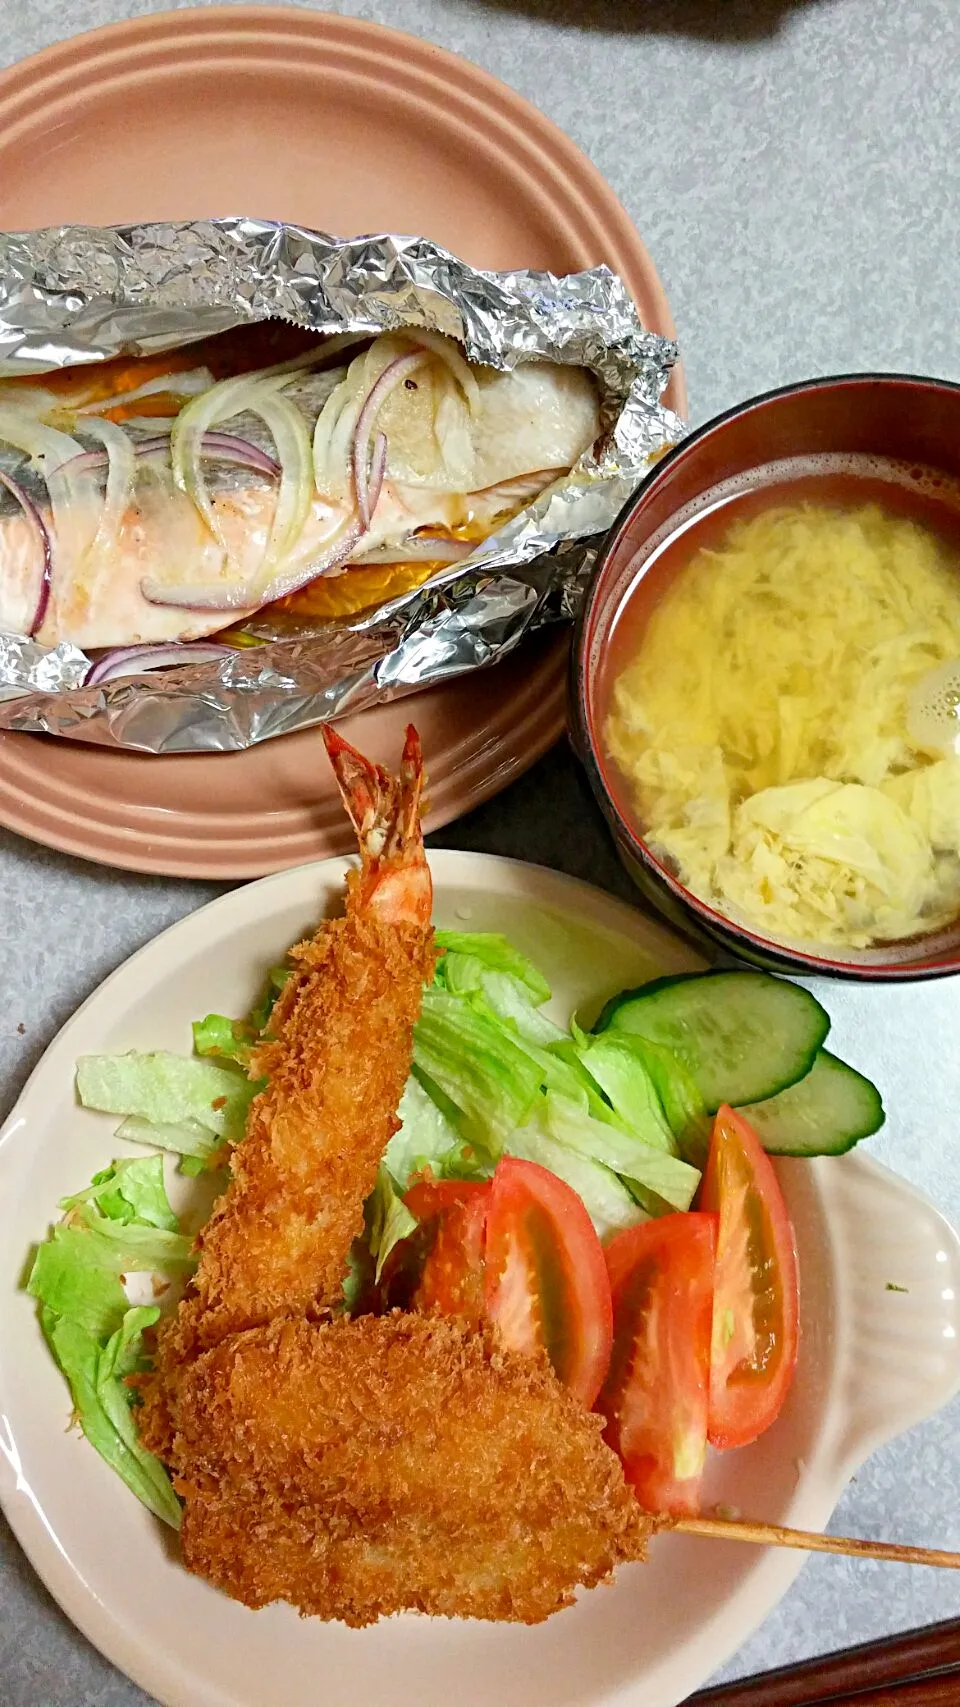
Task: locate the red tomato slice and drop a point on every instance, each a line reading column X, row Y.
column 445, row 1248
column 427, row 1197
column 546, row 1279
column 451, row 1280
column 656, row 1395
column 756, row 1309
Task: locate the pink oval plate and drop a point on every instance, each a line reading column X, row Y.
column 345, row 126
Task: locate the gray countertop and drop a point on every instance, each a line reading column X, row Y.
column 792, row 167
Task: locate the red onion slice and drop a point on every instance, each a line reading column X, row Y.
column 399, row 369
column 42, row 535
column 222, row 447
column 137, row 660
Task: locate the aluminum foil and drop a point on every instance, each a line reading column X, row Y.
column 76, row 295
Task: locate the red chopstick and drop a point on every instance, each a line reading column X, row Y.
column 900, row 1671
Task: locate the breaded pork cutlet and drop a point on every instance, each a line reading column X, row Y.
column 362, row 1468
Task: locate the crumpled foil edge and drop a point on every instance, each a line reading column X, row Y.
column 75, row 295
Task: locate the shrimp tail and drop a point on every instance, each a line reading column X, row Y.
column 385, row 813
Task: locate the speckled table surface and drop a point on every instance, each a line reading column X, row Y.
column 792, row 169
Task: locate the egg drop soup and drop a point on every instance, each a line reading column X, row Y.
column 779, row 701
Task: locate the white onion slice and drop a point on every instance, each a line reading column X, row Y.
column 234, row 397
column 75, row 497
column 39, row 527
column 190, row 384
column 447, row 352
column 395, row 372
column 418, row 548
column 121, row 473
column 295, row 497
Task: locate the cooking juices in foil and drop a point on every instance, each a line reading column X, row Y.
column 75, row 296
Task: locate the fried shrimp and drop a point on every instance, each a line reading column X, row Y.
column 357, row 1468
column 361, row 1468
column 336, row 1062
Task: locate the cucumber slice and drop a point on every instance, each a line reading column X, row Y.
column 822, row 1115
column 743, row 1036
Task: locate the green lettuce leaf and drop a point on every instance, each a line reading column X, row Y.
column 659, row 1181
column 69, row 1279
column 497, row 954
column 627, row 1085
column 218, row 1035
column 96, row 1374
column 188, row 1139
column 683, row 1106
column 487, row 1074
column 167, row 1089
column 427, row 1139
column 388, row 1220
column 609, row 1204
column 129, row 1190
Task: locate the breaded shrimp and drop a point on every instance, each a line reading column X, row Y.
column 359, row 1468
column 336, row 1062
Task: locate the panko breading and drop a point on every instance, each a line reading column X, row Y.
column 388, row 1463
column 338, row 1058
column 361, row 1468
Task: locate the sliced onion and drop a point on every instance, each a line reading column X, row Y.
column 419, row 548
column 295, row 497
column 378, row 468
column 75, row 498
column 236, row 596
column 393, row 374
column 190, row 384
column 324, row 432
column 137, row 660
column 447, row 352
column 121, row 472
column 39, row 527
column 259, row 397
column 222, row 447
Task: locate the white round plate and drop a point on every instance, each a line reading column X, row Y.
column 873, row 1362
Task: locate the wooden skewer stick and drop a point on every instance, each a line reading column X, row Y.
column 807, row 1541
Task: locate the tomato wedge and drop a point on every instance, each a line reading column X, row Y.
column 427, row 1197
column 451, row 1280
column 756, row 1309
column 656, row 1394
column 518, row 1250
column 546, row 1279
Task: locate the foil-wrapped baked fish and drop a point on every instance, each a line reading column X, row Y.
column 165, row 499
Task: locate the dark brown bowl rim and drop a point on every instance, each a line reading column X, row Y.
column 721, row 929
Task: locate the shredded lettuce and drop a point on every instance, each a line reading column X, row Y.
column 188, row 1139
column 167, row 1089
column 121, row 1223
column 680, row 1099
column 622, row 1076
column 488, row 1075
column 498, row 954
column 389, row 1220
column 427, row 1141
column 218, row 1035
column 610, row 1205
column 129, row 1190
column 97, row 1376
column 650, row 1174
